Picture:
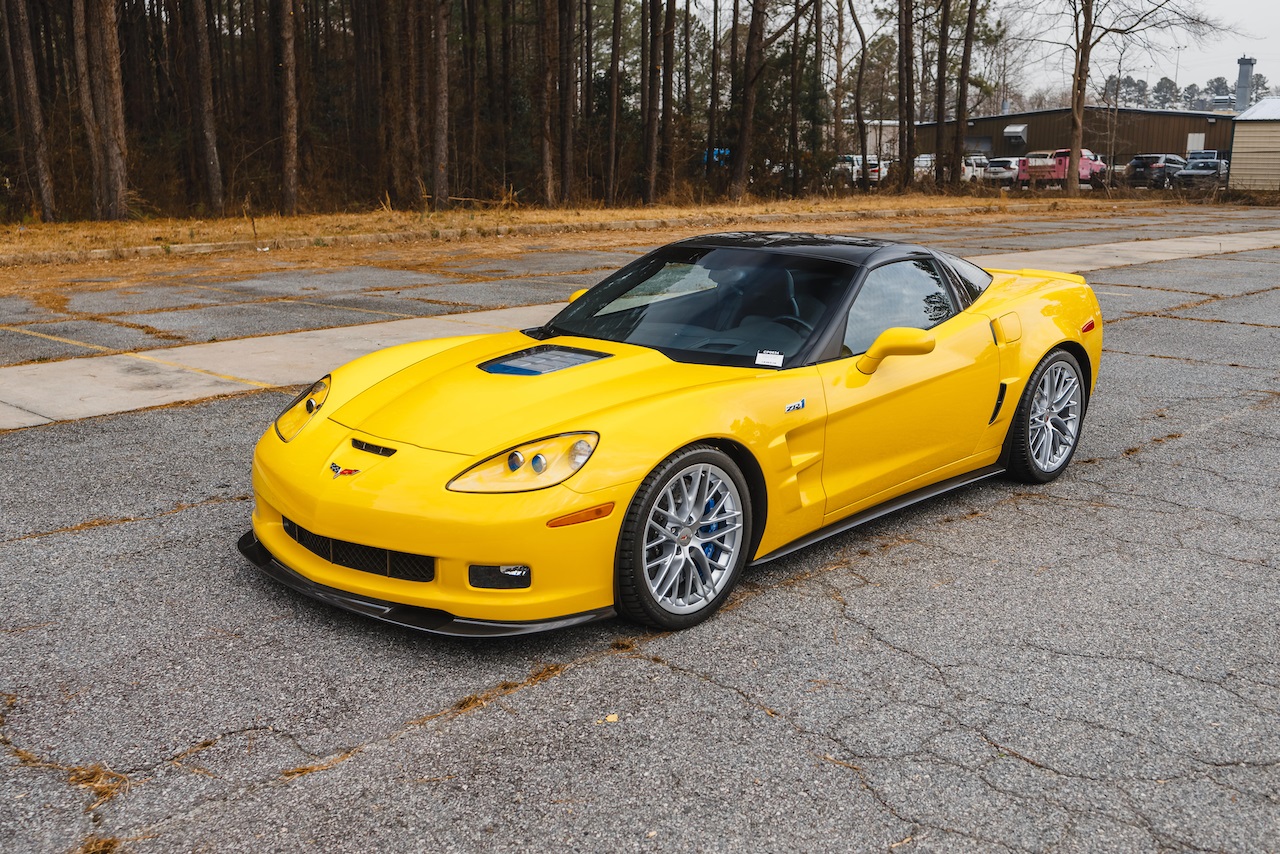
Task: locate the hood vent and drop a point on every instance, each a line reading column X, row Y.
column 537, row 361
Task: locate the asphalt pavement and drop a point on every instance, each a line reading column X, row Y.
column 1091, row 665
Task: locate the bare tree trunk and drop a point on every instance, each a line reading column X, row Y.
column 1079, row 80
column 611, row 161
column 819, row 87
column 88, row 115
column 440, row 123
column 906, row 92
column 643, row 76
column 793, row 124
column 752, row 66
column 208, row 124
column 865, row 178
column 940, row 98
column 837, row 90
column 713, row 101
column 668, row 96
column 688, row 62
column 568, row 10
column 653, row 83
column 962, row 89
column 546, row 99
column 12, row 77
column 29, row 107
column 289, row 109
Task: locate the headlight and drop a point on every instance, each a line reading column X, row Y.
column 299, row 412
column 533, row 465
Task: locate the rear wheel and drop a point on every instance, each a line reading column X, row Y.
column 1046, row 425
column 684, row 541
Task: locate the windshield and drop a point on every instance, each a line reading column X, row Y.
column 723, row 306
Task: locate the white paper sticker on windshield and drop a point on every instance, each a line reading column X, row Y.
column 769, row 358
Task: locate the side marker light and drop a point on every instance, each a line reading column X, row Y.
column 600, row 511
column 1088, row 327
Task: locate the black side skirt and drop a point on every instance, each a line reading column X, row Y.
column 873, row 513
column 409, row 616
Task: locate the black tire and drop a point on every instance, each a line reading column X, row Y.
column 1036, row 450
column 696, row 551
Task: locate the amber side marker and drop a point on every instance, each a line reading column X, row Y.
column 597, row 512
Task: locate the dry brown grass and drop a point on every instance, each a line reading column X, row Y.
column 33, row 239
column 41, row 261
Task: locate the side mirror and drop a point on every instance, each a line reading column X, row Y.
column 573, row 296
column 896, row 341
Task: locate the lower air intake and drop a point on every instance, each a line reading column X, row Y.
column 371, row 559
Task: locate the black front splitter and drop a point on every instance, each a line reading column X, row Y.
column 409, row 616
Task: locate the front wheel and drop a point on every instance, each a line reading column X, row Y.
column 684, row 541
column 1046, row 425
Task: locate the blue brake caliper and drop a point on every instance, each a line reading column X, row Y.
column 711, row 550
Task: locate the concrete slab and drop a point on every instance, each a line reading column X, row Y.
column 301, row 357
column 81, row 388
column 1084, row 258
column 12, row 418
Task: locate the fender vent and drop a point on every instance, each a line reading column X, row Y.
column 371, row 559
column 999, row 403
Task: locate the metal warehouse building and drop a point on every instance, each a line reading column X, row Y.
column 1116, row 134
column 1255, row 148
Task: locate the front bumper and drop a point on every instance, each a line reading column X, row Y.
column 416, row 617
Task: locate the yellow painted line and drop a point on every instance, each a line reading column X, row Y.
column 22, row 331
column 139, row 356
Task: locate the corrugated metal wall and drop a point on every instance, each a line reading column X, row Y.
column 1255, row 158
column 1117, row 135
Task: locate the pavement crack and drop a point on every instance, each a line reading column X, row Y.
column 108, row 521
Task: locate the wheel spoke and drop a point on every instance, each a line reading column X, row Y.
column 670, row 574
column 662, row 531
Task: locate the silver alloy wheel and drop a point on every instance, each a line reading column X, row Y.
column 1055, row 417
column 692, row 538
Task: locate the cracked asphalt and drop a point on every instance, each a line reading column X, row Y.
column 1092, row 665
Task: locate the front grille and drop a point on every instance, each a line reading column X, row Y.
column 371, row 559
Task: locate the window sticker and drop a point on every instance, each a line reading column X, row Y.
column 769, row 358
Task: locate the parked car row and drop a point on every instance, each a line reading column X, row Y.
column 1161, row 171
column 1047, row 168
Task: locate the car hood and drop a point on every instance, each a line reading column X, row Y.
column 493, row 392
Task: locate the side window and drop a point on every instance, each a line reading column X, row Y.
column 904, row 293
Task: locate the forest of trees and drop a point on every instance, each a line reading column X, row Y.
column 114, row 108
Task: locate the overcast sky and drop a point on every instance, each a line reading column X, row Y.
column 1257, row 21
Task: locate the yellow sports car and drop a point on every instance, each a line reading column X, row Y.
column 721, row 401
